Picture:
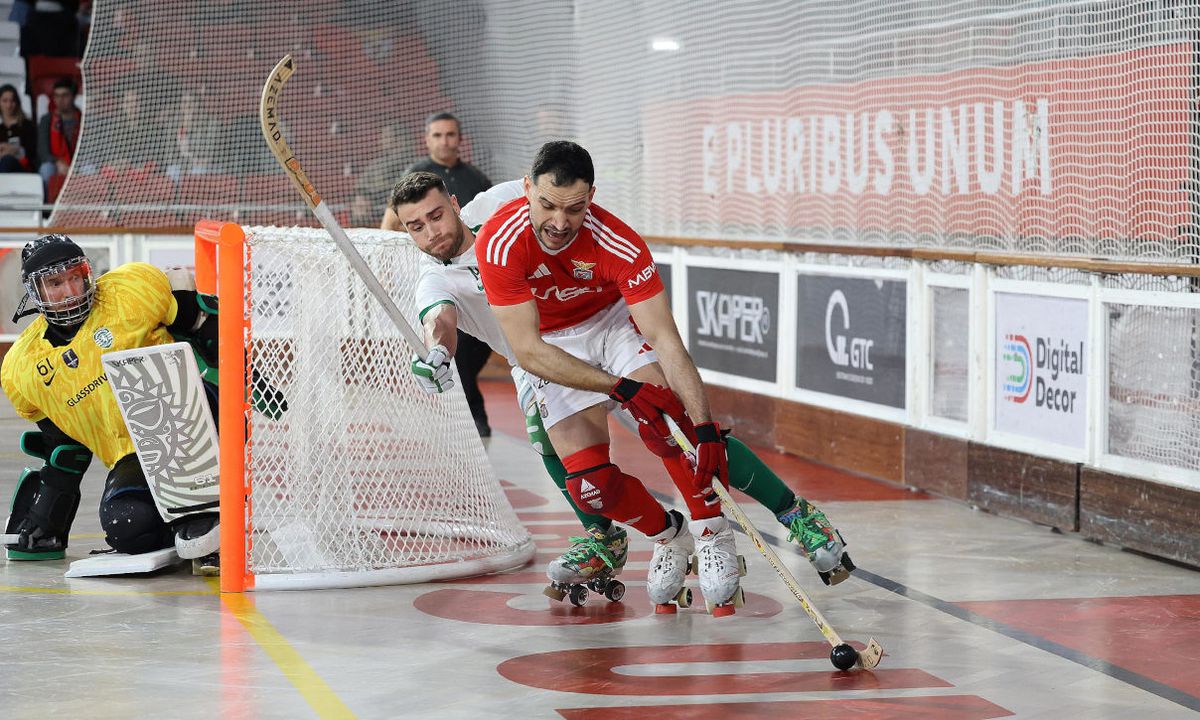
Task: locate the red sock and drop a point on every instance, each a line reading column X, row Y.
column 700, row 508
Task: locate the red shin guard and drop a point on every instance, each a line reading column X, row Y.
column 598, row 486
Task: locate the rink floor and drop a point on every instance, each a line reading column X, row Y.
column 980, row 617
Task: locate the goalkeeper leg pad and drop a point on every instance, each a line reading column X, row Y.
column 40, row 518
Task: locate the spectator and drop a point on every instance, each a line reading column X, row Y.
column 464, row 181
column 195, row 139
column 374, row 183
column 58, row 131
column 18, row 138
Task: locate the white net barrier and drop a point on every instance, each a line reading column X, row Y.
column 364, row 479
column 1060, row 126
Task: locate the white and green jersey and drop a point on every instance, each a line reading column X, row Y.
column 457, row 282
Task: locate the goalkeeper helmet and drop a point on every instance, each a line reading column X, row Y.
column 58, row 281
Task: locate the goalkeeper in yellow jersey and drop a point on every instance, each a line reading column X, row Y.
column 54, row 378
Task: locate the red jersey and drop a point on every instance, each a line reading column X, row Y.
column 605, row 262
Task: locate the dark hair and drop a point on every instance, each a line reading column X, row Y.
column 565, row 162
column 414, row 186
column 66, row 82
column 8, row 87
column 442, row 115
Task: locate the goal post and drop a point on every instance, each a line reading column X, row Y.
column 336, row 469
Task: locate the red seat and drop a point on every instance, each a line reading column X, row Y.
column 211, row 191
column 86, row 190
column 140, row 187
column 273, row 189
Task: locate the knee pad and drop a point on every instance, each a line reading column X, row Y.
column 597, row 489
column 660, row 446
column 132, row 525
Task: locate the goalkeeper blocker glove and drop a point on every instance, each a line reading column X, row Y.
column 711, row 460
column 433, row 373
column 648, row 403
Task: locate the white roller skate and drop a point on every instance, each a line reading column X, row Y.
column 669, row 567
column 592, row 562
column 718, row 565
column 823, row 545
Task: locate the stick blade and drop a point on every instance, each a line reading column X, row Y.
column 870, row 656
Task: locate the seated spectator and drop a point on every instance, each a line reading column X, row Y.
column 374, row 183
column 196, row 139
column 18, row 138
column 58, row 131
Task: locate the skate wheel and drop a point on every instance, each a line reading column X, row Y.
column 837, row 575
column 848, row 563
column 739, row 597
column 554, row 593
column 615, row 591
column 741, row 566
column 684, row 598
column 579, row 595
column 665, row 609
column 824, row 577
column 723, row 611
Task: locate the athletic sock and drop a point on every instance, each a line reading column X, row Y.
column 748, row 473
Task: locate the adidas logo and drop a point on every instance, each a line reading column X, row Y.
column 541, row 272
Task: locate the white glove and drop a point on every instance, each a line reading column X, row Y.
column 434, row 374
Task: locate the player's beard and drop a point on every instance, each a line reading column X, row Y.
column 455, row 247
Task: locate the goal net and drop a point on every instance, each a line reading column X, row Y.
column 353, row 475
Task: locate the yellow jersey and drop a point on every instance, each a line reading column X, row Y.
column 133, row 306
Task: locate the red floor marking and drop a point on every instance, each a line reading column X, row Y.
column 591, row 671
column 1155, row 635
column 490, row 607
column 817, row 483
column 939, row 707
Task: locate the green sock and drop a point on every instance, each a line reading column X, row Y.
column 558, row 473
column 748, row 473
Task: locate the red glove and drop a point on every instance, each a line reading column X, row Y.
column 648, row 403
column 711, row 460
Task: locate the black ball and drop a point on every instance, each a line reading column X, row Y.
column 843, row 656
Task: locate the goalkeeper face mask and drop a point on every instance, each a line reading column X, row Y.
column 63, row 292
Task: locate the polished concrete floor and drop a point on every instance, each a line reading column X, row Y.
column 980, row 617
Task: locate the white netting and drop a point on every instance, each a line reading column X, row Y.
column 1058, row 126
column 951, row 367
column 365, row 478
column 1154, row 414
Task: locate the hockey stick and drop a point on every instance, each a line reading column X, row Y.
column 843, row 656
column 268, row 116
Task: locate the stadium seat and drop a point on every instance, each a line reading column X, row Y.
column 139, row 187
column 272, row 189
column 208, row 190
column 45, row 70
column 24, row 189
column 85, row 190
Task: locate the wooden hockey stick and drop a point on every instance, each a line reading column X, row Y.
column 870, row 656
column 268, row 116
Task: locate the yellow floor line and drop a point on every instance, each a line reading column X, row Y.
column 316, row 692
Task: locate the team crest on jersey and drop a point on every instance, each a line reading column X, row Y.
column 583, row 270
column 71, row 359
column 103, row 337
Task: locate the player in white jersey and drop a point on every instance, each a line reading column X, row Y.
column 449, row 295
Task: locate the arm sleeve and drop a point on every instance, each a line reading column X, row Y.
column 430, row 292
column 504, row 284
column 24, row 407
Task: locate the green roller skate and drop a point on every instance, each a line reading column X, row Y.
column 592, row 562
column 823, row 544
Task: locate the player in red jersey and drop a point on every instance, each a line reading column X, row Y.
column 580, row 300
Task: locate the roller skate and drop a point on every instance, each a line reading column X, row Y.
column 669, row 567
column 207, row 566
column 718, row 565
column 823, row 545
column 592, row 562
